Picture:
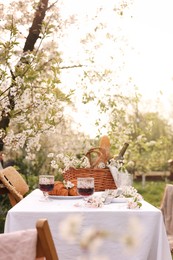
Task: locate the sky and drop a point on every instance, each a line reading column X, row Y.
column 151, row 32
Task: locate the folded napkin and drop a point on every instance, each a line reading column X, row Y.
column 19, row 245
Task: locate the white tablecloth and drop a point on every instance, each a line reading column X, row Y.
column 152, row 241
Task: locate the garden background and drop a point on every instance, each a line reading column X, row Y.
column 71, row 71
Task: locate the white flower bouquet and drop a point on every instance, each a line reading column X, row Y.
column 63, row 162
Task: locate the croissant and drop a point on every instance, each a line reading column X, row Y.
column 59, row 189
column 73, row 191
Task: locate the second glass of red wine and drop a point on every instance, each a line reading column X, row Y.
column 85, row 186
column 46, row 184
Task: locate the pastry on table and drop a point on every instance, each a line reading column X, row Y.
column 73, row 190
column 65, row 188
column 59, row 189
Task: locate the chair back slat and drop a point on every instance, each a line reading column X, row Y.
column 45, row 245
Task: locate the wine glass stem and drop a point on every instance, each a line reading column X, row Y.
column 45, row 193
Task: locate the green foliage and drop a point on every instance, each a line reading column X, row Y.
column 152, row 192
column 4, row 207
column 150, row 137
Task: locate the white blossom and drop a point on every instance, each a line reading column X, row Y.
column 64, row 161
column 131, row 238
column 68, row 184
column 95, row 201
column 70, row 227
column 91, row 239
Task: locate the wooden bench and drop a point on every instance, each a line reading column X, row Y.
column 152, row 176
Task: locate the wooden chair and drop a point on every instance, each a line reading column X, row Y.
column 45, row 244
column 12, row 184
column 29, row 244
column 13, row 196
column 167, row 212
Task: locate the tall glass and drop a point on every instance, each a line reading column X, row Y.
column 85, row 186
column 46, row 184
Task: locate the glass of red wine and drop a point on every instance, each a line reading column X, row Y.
column 46, row 184
column 85, row 186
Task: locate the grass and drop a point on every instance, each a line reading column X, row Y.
column 152, row 192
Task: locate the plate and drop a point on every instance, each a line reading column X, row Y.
column 65, row 197
column 121, row 200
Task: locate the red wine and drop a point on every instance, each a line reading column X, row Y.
column 46, row 187
column 85, row 191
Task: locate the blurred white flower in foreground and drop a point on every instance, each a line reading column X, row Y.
column 131, row 237
column 91, row 239
column 70, row 228
column 93, row 257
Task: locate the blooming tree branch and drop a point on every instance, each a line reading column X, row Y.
column 35, row 29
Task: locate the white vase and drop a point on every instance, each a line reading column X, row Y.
column 124, row 179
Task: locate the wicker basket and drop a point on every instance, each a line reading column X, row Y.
column 96, row 156
column 102, row 177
